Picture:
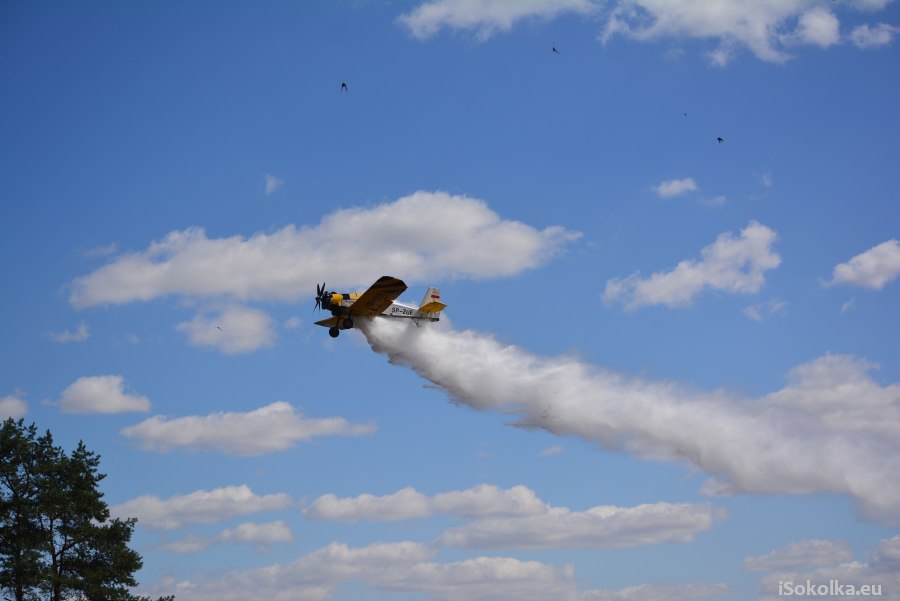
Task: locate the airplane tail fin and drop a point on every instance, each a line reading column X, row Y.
column 432, row 302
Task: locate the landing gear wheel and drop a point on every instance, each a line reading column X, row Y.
column 333, row 331
column 348, row 323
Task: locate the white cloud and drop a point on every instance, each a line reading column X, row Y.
column 817, row 26
column 259, row 534
column 659, row 592
column 292, row 323
column 424, row 236
column 488, row 500
column 882, row 570
column 200, row 507
column 396, row 566
column 760, row 311
column 763, row 26
column 873, row 37
column 730, row 264
column 410, row 567
column 873, row 269
column 13, row 405
column 848, row 306
column 480, row 501
column 272, row 184
column 101, row 394
column 517, row 518
column 81, row 334
column 486, row 17
column 676, row 187
column 248, row 533
column 234, row 330
column 602, row 527
column 404, row 504
column 832, row 428
column 552, row 451
column 485, row 579
column 803, row 554
column 312, row 577
column 839, row 392
column 767, row 28
column 275, row 427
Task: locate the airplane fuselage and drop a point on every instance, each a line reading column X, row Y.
column 342, row 304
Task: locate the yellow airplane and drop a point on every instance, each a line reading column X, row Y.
column 377, row 301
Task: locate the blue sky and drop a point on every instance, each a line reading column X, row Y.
column 669, row 366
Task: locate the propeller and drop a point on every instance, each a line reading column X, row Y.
column 320, row 295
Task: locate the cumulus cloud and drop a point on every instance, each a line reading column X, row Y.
column 80, row 334
column 736, row 265
column 404, row 504
column 485, row 17
column 13, row 405
column 200, row 507
column 803, row 554
column 872, row 269
column 659, row 592
column 792, row 441
column 484, row 579
column 676, row 187
column 411, row 567
column 312, row 577
column 480, row 501
column 882, row 570
column 763, row 27
column 248, row 533
column 766, row 28
column 234, row 330
column 867, row 37
column 602, row 527
column 818, row 26
column 101, row 394
column 517, row 518
column 260, row 534
column 825, row 387
column 275, row 427
column 427, row 235
column 396, row 566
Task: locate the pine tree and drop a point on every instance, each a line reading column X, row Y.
column 20, row 561
column 57, row 540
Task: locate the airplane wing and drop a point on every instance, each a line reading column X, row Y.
column 331, row 321
column 378, row 297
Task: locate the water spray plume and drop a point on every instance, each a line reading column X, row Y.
column 781, row 443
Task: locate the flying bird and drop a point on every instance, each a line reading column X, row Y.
column 720, row 140
column 219, row 328
column 344, row 87
column 555, row 50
